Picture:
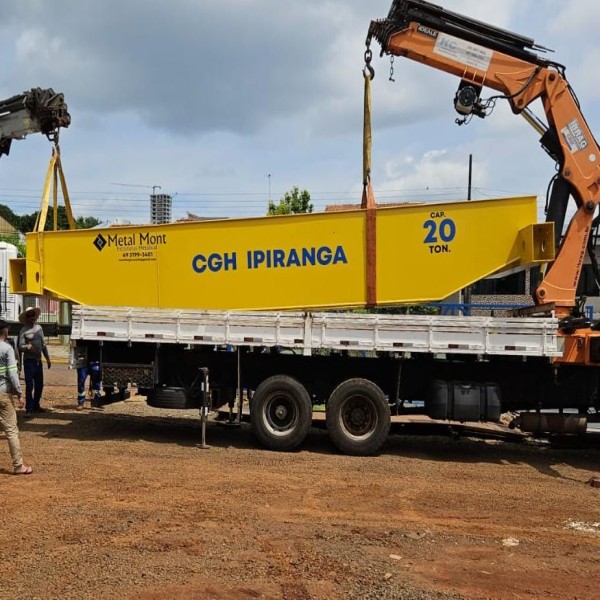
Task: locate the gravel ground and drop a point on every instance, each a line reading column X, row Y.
column 123, row 504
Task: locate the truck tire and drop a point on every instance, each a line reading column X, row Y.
column 171, row 397
column 281, row 413
column 358, row 417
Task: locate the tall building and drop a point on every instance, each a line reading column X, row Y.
column 160, row 208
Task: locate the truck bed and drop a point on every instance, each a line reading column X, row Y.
column 527, row 336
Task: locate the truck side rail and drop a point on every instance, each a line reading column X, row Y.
column 531, row 336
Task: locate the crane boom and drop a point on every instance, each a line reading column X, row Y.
column 485, row 56
column 35, row 111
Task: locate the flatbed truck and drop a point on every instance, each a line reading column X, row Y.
column 195, row 313
column 363, row 367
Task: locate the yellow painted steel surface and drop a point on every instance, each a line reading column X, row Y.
column 424, row 252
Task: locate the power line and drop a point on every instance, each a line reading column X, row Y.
column 235, row 203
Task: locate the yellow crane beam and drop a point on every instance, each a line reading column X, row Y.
column 422, row 252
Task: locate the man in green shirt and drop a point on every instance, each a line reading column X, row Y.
column 9, row 387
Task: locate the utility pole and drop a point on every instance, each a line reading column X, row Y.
column 269, row 176
column 470, row 176
column 466, row 293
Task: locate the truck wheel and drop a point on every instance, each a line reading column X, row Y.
column 171, row 397
column 281, row 413
column 358, row 417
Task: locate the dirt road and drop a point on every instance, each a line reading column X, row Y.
column 123, row 504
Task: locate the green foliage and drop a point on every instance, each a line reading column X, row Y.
column 8, row 215
column 86, row 222
column 26, row 223
column 293, row 202
column 15, row 240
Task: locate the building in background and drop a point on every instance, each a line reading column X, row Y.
column 160, row 208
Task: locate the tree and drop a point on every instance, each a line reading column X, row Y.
column 9, row 216
column 293, row 202
column 27, row 222
column 86, row 222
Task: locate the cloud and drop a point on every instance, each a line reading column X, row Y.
column 186, row 67
column 445, row 171
column 217, row 65
column 207, row 98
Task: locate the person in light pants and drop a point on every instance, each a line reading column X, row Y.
column 9, row 387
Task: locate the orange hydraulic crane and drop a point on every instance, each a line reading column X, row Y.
column 484, row 56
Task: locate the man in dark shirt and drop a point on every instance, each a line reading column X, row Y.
column 32, row 346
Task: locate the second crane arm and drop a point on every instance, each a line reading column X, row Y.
column 486, row 56
column 35, row 111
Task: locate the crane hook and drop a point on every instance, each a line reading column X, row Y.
column 368, row 69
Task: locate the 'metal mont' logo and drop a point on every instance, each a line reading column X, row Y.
column 100, row 242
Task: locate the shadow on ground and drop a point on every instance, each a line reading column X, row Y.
column 99, row 425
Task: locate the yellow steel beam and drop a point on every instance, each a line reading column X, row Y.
column 424, row 252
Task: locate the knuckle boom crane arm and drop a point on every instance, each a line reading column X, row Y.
column 486, row 56
column 36, row 111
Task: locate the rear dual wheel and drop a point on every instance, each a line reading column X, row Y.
column 281, row 413
column 358, row 417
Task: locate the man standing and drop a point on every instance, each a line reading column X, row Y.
column 9, row 387
column 83, row 370
column 32, row 346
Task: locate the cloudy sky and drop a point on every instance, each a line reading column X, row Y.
column 225, row 103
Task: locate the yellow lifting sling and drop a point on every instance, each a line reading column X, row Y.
column 53, row 175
